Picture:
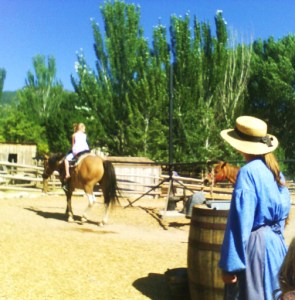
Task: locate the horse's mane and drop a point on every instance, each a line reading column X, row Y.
column 53, row 158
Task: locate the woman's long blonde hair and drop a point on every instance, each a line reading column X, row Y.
column 273, row 165
column 271, row 162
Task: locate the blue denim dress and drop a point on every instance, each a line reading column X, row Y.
column 254, row 246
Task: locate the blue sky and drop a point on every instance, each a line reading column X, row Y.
column 60, row 28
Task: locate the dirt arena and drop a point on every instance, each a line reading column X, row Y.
column 44, row 257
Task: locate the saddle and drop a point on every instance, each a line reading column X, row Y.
column 79, row 157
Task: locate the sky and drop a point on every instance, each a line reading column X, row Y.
column 62, row 28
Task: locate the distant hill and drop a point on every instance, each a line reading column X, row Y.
column 9, row 98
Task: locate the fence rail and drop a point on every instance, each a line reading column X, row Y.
column 18, row 177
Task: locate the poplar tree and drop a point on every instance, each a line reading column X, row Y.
column 40, row 96
column 117, row 92
column 150, row 94
column 126, row 99
column 40, row 100
column 210, row 80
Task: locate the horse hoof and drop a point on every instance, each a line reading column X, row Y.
column 83, row 220
column 100, row 224
column 71, row 220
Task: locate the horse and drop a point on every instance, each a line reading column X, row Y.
column 89, row 170
column 223, row 171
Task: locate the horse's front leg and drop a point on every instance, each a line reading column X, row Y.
column 69, row 210
column 91, row 201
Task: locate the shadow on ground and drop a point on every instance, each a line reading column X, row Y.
column 61, row 217
column 49, row 215
column 171, row 285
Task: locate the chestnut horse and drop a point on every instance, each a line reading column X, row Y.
column 223, row 171
column 89, row 170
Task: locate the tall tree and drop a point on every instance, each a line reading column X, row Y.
column 41, row 94
column 127, row 97
column 40, row 102
column 120, row 57
column 271, row 88
column 209, row 77
column 150, row 92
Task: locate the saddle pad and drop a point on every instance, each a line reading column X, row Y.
column 76, row 161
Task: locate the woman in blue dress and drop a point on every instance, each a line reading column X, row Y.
column 254, row 248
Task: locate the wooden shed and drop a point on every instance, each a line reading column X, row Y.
column 136, row 175
column 18, row 153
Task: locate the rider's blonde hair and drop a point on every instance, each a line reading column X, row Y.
column 78, row 126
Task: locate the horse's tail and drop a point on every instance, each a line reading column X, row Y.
column 109, row 180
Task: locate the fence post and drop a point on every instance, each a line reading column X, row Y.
column 45, row 186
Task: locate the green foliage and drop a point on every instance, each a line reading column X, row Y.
column 40, row 97
column 9, row 98
column 210, row 78
column 271, row 88
column 122, row 92
column 16, row 128
column 209, row 84
column 271, row 91
column 43, row 111
column 59, row 125
column 128, row 96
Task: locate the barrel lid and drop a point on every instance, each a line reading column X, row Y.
column 205, row 211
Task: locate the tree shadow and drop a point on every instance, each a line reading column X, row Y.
column 163, row 286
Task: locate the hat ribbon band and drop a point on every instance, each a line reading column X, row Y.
column 263, row 139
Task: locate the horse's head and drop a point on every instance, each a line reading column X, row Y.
column 52, row 163
column 217, row 174
column 223, row 171
column 220, row 171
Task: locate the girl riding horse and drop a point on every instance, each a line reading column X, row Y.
column 90, row 170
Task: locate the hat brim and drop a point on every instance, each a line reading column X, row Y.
column 248, row 147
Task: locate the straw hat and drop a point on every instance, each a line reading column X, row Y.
column 250, row 136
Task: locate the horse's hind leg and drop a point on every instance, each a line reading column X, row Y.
column 106, row 215
column 91, row 201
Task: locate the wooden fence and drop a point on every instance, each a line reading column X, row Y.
column 18, row 177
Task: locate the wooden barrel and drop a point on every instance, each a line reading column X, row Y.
column 205, row 240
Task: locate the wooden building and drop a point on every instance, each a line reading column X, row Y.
column 18, row 153
column 136, row 175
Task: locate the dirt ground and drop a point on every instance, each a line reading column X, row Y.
column 44, row 257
